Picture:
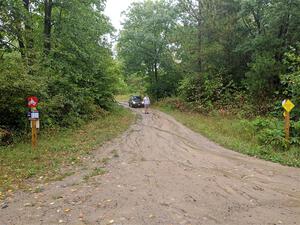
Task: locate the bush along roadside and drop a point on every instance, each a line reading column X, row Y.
column 259, row 137
column 57, row 149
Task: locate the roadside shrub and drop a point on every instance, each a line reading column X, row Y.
column 208, row 93
column 261, row 123
column 248, row 126
column 263, row 75
column 201, row 88
column 291, row 80
column 63, row 100
column 295, row 133
column 237, row 102
column 5, row 137
column 271, row 132
column 174, row 103
column 15, row 85
column 274, row 138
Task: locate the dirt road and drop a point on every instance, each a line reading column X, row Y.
column 160, row 172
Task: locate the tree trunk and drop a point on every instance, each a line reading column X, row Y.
column 47, row 26
column 28, row 28
column 28, row 34
column 199, row 56
column 257, row 20
column 283, row 33
column 26, row 4
column 156, row 79
column 21, row 46
column 199, row 36
column 155, row 72
column 21, row 41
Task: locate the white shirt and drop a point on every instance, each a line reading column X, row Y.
column 146, row 100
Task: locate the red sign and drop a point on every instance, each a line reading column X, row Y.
column 32, row 101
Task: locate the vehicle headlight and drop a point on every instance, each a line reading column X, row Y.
column 133, row 102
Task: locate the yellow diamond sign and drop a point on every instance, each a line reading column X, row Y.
column 288, row 105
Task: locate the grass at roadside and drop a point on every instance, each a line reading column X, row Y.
column 122, row 98
column 57, row 149
column 233, row 134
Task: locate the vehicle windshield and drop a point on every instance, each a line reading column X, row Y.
column 137, row 98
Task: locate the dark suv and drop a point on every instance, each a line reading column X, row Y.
column 135, row 102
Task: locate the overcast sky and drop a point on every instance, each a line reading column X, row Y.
column 114, row 9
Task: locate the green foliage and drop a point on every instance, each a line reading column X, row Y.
column 207, row 93
column 260, row 124
column 274, row 138
column 201, row 88
column 74, row 77
column 261, row 78
column 116, row 71
column 136, row 83
column 291, row 79
column 15, row 86
column 295, row 133
column 226, row 55
column 233, row 45
column 270, row 132
column 144, row 47
column 174, row 104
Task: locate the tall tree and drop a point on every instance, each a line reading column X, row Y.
column 48, row 4
column 192, row 14
column 145, row 40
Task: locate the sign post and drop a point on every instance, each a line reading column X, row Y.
column 288, row 106
column 34, row 118
column 287, row 125
column 33, row 134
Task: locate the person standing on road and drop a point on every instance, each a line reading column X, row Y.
column 146, row 104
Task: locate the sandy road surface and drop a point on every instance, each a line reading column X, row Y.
column 165, row 174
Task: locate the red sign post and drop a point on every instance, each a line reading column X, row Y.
column 32, row 103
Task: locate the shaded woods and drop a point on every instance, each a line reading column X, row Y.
column 58, row 51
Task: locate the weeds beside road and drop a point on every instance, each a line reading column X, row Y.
column 57, row 148
column 233, row 133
